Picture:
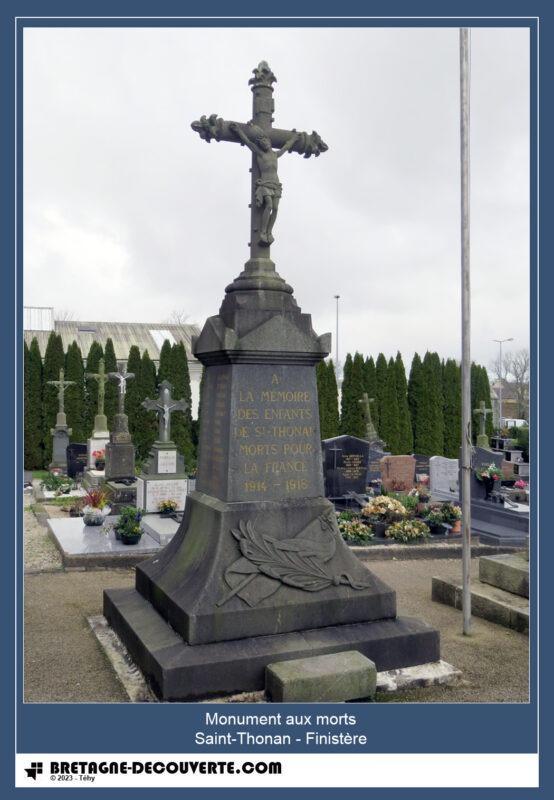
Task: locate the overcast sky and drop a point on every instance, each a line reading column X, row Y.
column 130, row 216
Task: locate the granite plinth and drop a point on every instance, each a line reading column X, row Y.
column 120, row 461
column 122, row 494
column 60, row 441
column 93, row 478
column 179, row 671
column 161, row 529
column 90, row 546
column 209, row 606
column 332, row 678
column 164, row 459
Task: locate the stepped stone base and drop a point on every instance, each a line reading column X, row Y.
column 488, row 602
column 508, row 572
column 179, row 671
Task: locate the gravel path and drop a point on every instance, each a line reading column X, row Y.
column 39, row 552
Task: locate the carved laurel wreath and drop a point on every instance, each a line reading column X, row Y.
column 298, row 562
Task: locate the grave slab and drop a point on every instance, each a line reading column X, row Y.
column 161, row 529
column 488, row 602
column 93, row 546
column 509, row 572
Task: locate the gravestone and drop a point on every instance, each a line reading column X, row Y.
column 163, row 475
column 375, row 454
column 77, row 459
column 120, row 452
column 60, row 433
column 100, row 435
column 421, row 464
column 398, row 473
column 258, row 571
column 481, row 457
column 444, row 475
column 345, row 464
column 482, row 413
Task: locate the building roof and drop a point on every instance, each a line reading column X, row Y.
column 145, row 335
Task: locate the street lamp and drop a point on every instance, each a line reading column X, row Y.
column 337, row 298
column 501, row 342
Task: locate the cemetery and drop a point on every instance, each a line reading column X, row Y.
column 260, row 549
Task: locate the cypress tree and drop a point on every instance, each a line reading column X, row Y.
column 414, row 394
column 429, row 414
column 95, row 353
column 452, row 410
column 332, row 393
column 406, row 439
column 352, row 421
column 389, row 418
column 147, row 424
column 75, row 394
column 166, row 363
column 32, row 398
column 132, row 395
column 370, row 381
column 486, row 391
column 110, row 397
column 321, row 383
column 380, row 381
column 181, row 421
column 54, row 359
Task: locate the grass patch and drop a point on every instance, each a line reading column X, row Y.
column 61, row 501
column 40, row 474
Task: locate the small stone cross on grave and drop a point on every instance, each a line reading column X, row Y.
column 62, row 386
column 267, row 144
column 164, row 405
column 482, row 412
column 371, row 434
column 122, row 376
column 101, row 377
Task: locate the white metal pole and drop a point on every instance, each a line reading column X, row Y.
column 466, row 332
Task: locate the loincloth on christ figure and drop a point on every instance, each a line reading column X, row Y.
column 267, row 188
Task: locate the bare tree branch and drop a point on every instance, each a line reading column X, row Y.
column 177, row 317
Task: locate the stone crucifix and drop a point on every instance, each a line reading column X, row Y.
column 122, row 376
column 100, row 422
column 365, row 402
column 482, row 412
column 267, row 145
column 62, row 385
column 164, row 405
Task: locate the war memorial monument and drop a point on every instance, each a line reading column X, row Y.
column 258, row 572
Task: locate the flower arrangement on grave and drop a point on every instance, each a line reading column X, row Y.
column 55, row 482
column 95, row 508
column 127, row 527
column 167, row 507
column 409, row 501
column 451, row 513
column 384, row 509
column 408, row 530
column 76, row 509
column 490, row 471
column 355, row 531
column 519, row 491
column 520, row 484
column 99, row 457
column 398, row 486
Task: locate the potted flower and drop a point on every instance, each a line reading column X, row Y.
column 95, row 508
column 452, row 515
column 519, row 491
column 434, row 519
column 488, row 475
column 408, row 530
column 382, row 510
column 167, row 507
column 354, row 530
column 99, row 457
column 76, row 510
column 127, row 527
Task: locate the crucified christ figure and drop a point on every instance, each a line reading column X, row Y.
column 268, row 187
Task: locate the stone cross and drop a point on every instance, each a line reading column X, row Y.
column 62, row 386
column 482, row 412
column 164, row 405
column 267, row 144
column 371, row 433
column 122, row 376
column 102, row 379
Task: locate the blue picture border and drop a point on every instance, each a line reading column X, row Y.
column 473, row 728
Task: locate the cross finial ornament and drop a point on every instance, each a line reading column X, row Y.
column 267, row 145
column 482, row 412
column 122, row 376
column 102, row 379
column 164, row 405
column 62, row 385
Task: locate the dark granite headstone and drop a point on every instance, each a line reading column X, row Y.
column 421, row 464
column 345, row 465
column 258, row 571
column 120, row 452
column 77, row 459
column 482, row 457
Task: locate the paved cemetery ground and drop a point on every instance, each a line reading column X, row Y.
column 64, row 663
